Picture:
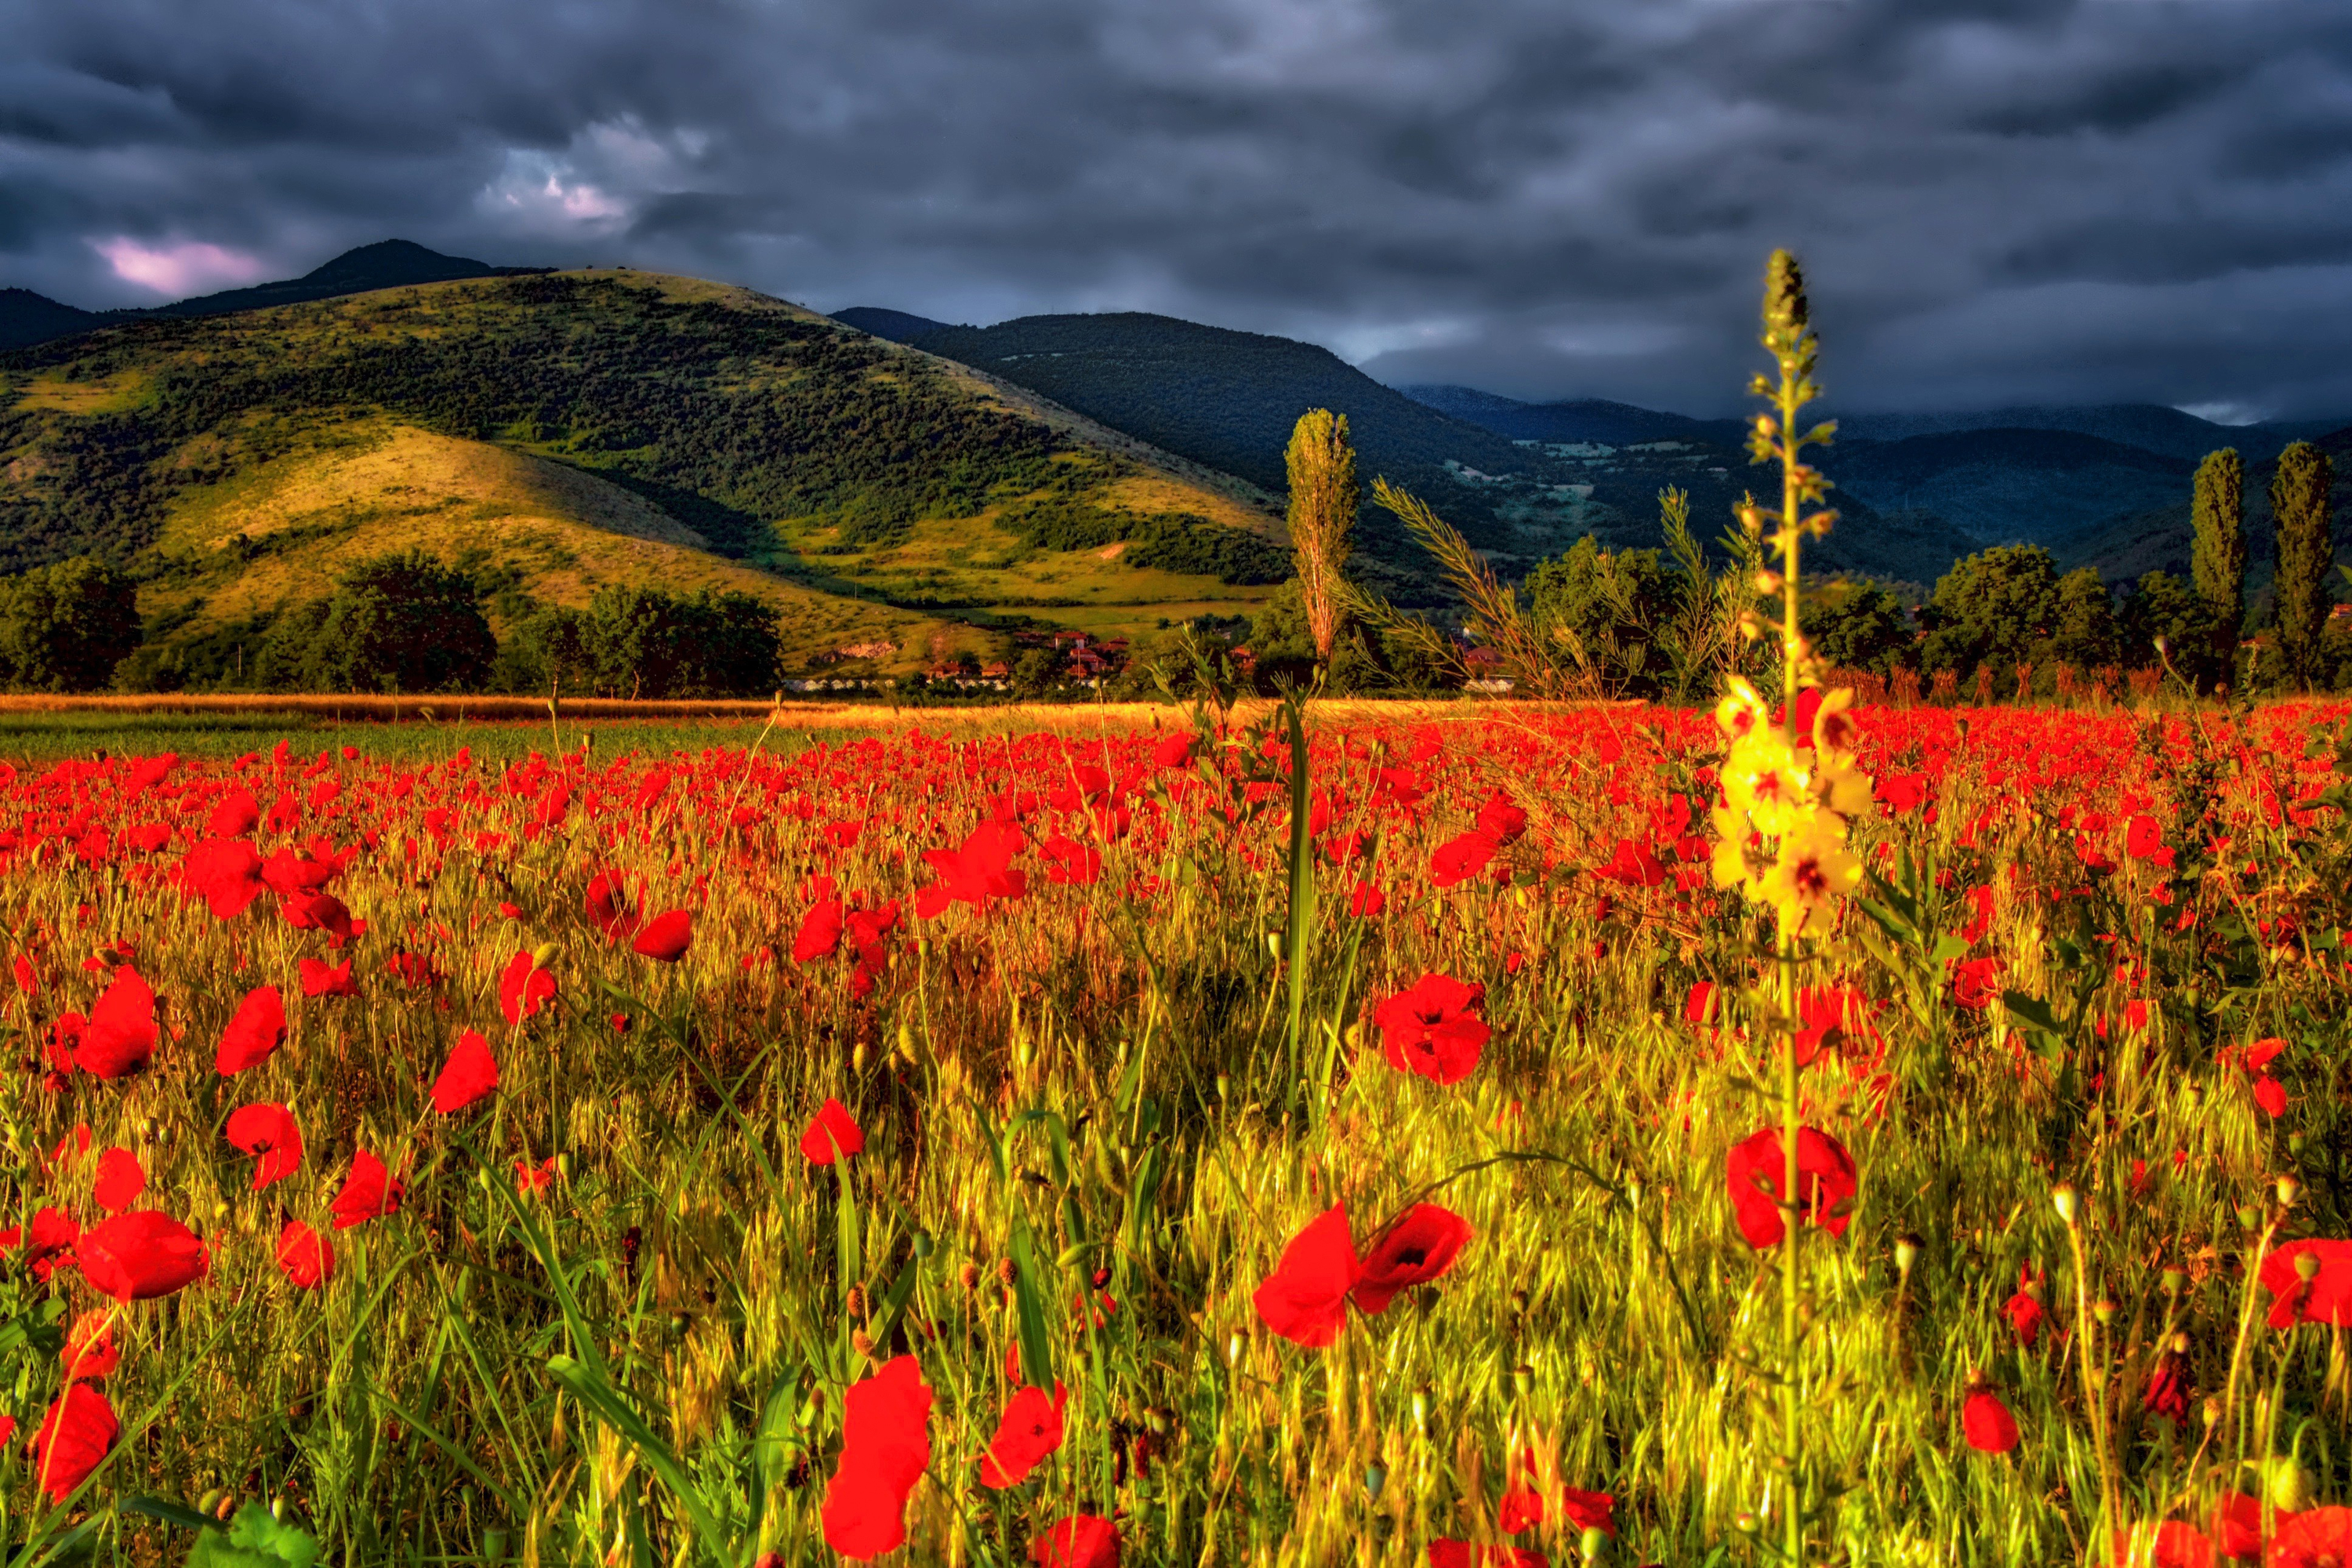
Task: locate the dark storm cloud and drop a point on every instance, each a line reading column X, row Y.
column 1998, row 201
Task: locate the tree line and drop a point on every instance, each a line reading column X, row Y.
column 397, row 624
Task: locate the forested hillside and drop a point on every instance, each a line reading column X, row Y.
column 822, row 463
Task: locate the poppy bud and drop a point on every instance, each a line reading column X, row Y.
column 2105, row 1310
column 1376, row 1476
column 2179, row 1343
column 2249, row 1217
column 1593, row 1544
column 2212, row 1414
column 1273, row 944
column 1907, row 1253
column 922, row 1244
column 209, row 1501
column 2289, row 1485
column 2289, row 1190
column 1747, row 1523
column 1523, row 1380
column 2306, row 1267
column 544, row 955
column 2066, row 1201
column 2175, row 1278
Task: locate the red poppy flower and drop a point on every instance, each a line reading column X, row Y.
column 238, row 815
column 820, row 931
column 1366, row 901
column 607, row 907
column 304, row 1257
column 121, row 1180
column 2237, row 1526
column 979, row 871
column 1082, row 1541
column 2327, row 1298
column 1420, row 1246
column 1502, row 823
column 1987, row 1424
column 1522, row 1505
column 1305, row 1300
column 1434, row 1029
column 531, row 1181
column 226, row 874
column 524, row 988
column 665, row 939
column 1457, row 860
column 1069, row 863
column 1976, row 984
column 2318, row 1537
column 120, row 1033
column 321, row 979
column 140, row 1256
column 1463, row 1554
column 834, row 1130
column 253, row 1034
column 268, row 1130
column 1633, row 865
column 369, row 1191
column 323, row 911
column 2172, row 1545
column 1030, row 1430
column 467, row 1076
column 2255, row 1060
column 885, row 1446
column 2025, row 1313
column 2168, row 1390
column 74, row 1440
column 55, row 1232
column 90, row 1353
column 1698, row 1003
column 1826, row 1184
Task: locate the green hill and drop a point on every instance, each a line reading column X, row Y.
column 565, row 430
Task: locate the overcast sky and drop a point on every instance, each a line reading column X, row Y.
column 1998, row 201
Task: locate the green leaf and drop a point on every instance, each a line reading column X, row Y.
column 1029, row 1296
column 254, row 1539
column 169, row 1512
column 2032, row 1011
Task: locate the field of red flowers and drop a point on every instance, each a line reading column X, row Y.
column 1352, row 1145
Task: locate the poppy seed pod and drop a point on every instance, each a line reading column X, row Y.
column 2306, row 1267
column 2176, row 1279
column 1593, row 1545
column 1907, row 1253
column 544, row 955
column 1376, row 1476
column 2249, row 1218
column 2067, row 1202
column 2289, row 1190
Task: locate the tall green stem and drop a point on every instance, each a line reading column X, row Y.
column 1788, row 398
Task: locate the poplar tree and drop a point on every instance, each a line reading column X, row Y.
column 2300, row 496
column 1323, row 501
column 2218, row 562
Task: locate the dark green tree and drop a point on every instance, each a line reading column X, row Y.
column 2218, row 562
column 2301, row 510
column 2087, row 634
column 1992, row 608
column 643, row 642
column 1037, row 672
column 1859, row 625
column 2167, row 607
column 1601, row 610
column 400, row 623
column 64, row 627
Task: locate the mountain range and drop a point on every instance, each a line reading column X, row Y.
column 884, row 478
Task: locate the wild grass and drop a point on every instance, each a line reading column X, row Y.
column 1102, row 1075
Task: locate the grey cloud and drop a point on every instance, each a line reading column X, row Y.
column 1544, row 197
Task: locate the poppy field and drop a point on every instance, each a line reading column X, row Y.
column 1290, row 1141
